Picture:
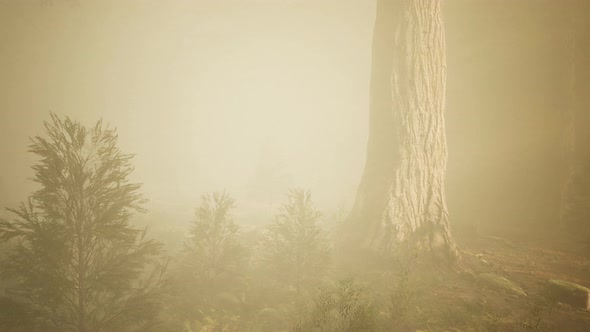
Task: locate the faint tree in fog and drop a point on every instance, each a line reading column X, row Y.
column 297, row 249
column 79, row 265
column 214, row 248
column 211, row 267
column 271, row 177
column 575, row 212
column 401, row 198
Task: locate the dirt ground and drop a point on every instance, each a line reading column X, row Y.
column 460, row 302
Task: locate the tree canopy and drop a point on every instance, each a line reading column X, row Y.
column 78, row 264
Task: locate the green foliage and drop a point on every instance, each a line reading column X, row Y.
column 209, row 280
column 297, row 249
column 79, row 265
column 536, row 315
column 346, row 306
column 17, row 316
column 214, row 249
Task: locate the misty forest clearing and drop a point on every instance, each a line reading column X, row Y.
column 298, row 165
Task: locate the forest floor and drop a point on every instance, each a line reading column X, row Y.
column 465, row 303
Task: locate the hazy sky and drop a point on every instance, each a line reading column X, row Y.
column 198, row 89
column 214, row 94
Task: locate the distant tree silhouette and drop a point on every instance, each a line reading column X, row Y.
column 213, row 248
column 211, row 267
column 575, row 209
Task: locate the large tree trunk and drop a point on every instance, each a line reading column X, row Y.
column 401, row 198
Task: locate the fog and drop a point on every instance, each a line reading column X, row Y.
column 292, row 182
column 206, row 92
column 203, row 92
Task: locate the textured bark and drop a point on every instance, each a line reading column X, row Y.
column 401, row 199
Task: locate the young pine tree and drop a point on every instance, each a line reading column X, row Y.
column 79, row 265
column 214, row 251
column 297, row 249
column 210, row 274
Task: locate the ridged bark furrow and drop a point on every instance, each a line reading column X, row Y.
column 415, row 211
